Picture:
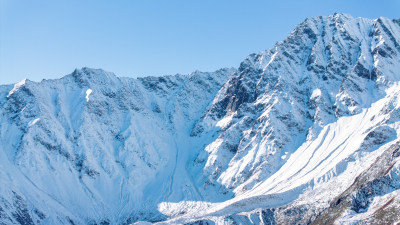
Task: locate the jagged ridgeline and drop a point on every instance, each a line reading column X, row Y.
column 305, row 132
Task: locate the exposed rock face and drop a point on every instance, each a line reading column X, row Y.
column 327, row 68
column 306, row 132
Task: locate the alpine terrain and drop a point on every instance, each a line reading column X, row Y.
column 307, row 132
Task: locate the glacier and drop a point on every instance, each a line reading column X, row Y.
column 306, row 132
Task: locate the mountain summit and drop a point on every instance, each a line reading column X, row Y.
column 306, row 132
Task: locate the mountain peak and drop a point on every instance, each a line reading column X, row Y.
column 86, row 76
column 299, row 129
column 17, row 86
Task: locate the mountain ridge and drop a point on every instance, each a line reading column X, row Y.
column 265, row 143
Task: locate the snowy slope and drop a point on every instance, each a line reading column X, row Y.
column 302, row 119
column 101, row 147
column 304, row 132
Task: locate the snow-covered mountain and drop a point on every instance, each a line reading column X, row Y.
column 306, row 132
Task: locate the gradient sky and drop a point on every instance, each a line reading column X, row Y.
column 48, row 39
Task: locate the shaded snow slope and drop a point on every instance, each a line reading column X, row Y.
column 102, row 147
column 304, row 132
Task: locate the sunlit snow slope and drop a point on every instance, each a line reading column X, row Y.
column 306, row 132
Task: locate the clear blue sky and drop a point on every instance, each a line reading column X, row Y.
column 50, row 38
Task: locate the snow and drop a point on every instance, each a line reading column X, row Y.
column 316, row 93
column 33, row 122
column 225, row 121
column 88, row 92
column 173, row 148
column 16, row 87
column 142, row 223
column 116, row 155
column 319, row 159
